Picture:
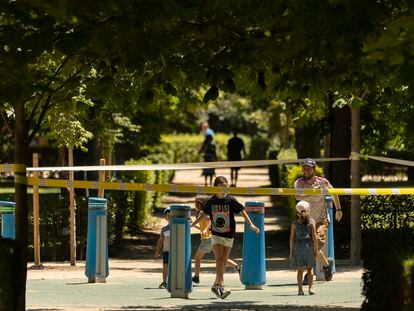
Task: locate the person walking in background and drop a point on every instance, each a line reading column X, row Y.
column 221, row 208
column 318, row 209
column 205, row 242
column 164, row 245
column 208, row 149
column 303, row 245
column 206, row 130
column 235, row 148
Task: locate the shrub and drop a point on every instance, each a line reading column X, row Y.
column 384, row 283
column 9, row 261
column 409, row 281
column 387, row 212
column 258, row 148
column 184, row 147
column 293, row 173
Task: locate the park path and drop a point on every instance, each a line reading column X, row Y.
column 248, row 177
column 134, row 275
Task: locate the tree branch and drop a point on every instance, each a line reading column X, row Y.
column 45, row 108
column 57, row 71
column 6, row 121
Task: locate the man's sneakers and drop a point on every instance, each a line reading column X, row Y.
column 216, row 290
column 196, row 279
column 327, row 271
column 224, row 293
column 220, row 291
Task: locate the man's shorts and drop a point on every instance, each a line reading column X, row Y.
column 165, row 257
column 321, row 229
column 227, row 242
column 205, row 246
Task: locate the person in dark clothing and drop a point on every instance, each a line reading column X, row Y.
column 208, row 149
column 235, row 148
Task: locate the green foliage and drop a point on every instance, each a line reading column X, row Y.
column 139, row 205
column 384, row 283
column 258, row 148
column 185, row 147
column 387, row 212
column 409, row 279
column 9, row 261
column 68, row 130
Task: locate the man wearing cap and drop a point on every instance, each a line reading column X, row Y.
column 318, row 209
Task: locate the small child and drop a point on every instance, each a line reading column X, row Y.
column 221, row 209
column 164, row 244
column 303, row 246
column 205, row 246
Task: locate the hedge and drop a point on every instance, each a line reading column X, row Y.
column 9, row 261
column 386, row 283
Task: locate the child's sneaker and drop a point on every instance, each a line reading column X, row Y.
column 224, row 293
column 163, row 285
column 196, row 279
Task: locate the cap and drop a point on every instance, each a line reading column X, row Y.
column 309, row 162
column 302, row 206
column 167, row 210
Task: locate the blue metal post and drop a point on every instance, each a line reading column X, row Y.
column 179, row 282
column 7, row 219
column 331, row 248
column 253, row 274
column 97, row 265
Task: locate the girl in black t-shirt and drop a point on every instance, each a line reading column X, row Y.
column 221, row 209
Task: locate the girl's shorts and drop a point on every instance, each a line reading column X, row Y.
column 205, row 245
column 227, row 242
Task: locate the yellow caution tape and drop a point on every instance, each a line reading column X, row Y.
column 9, row 168
column 81, row 184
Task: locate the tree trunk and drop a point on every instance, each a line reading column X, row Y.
column 340, row 147
column 355, row 255
column 308, row 141
column 21, row 152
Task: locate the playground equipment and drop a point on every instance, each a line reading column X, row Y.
column 97, row 268
column 179, row 282
column 253, row 274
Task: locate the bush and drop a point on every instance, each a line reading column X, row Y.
column 387, row 212
column 294, row 172
column 9, row 261
column 184, row 147
column 409, row 281
column 258, row 148
column 384, row 283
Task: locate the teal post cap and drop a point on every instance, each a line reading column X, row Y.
column 179, row 207
column 7, row 207
column 254, row 203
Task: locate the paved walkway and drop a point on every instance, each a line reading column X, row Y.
column 133, row 285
